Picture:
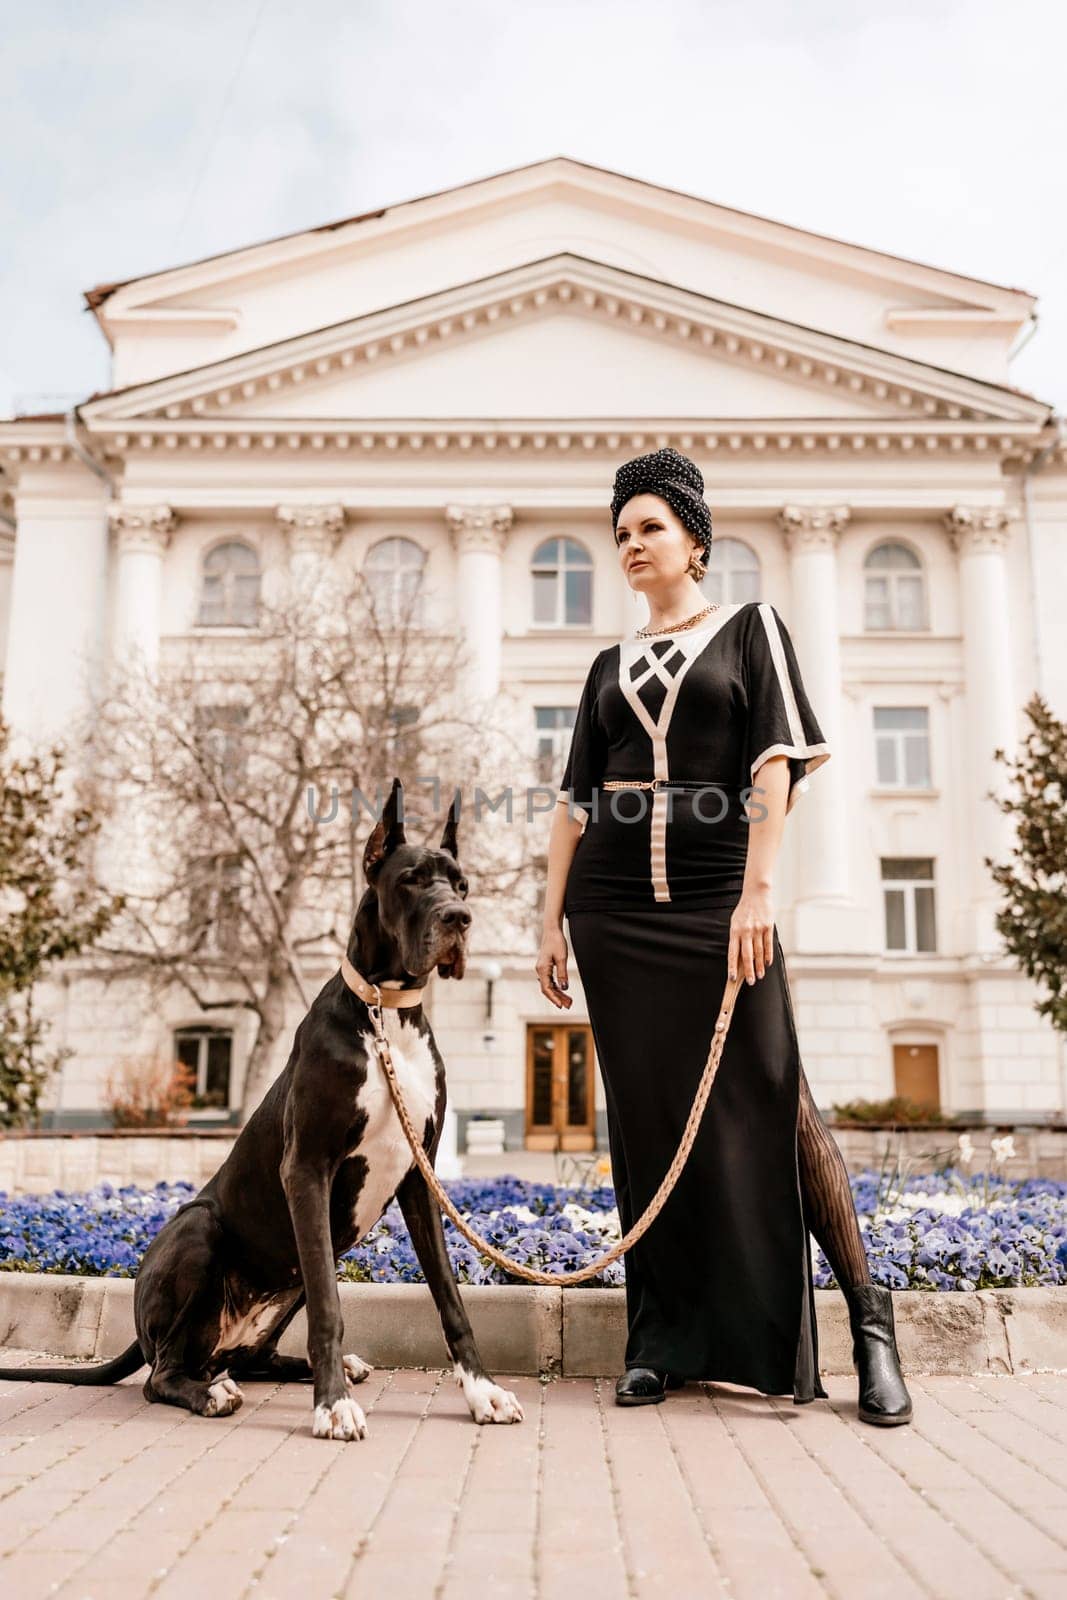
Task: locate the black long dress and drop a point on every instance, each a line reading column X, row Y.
column 720, row 1286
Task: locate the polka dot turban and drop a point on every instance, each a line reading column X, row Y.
column 676, row 479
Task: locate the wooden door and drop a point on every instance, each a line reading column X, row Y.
column 560, row 1113
column 915, row 1073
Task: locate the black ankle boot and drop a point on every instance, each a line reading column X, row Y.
column 883, row 1399
column 640, row 1386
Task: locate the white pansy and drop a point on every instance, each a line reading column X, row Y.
column 604, row 1222
column 949, row 1205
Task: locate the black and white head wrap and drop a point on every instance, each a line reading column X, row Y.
column 676, row 479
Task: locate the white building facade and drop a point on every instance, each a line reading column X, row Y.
column 445, row 388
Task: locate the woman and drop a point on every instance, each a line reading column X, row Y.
column 665, row 876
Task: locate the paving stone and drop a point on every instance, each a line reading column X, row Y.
column 718, row 1491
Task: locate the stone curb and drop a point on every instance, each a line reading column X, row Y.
column 573, row 1333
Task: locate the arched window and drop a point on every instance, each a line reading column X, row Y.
column 894, row 590
column 229, row 586
column 733, row 575
column 394, row 569
column 562, row 571
column 213, row 904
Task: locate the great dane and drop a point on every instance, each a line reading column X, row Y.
column 312, row 1171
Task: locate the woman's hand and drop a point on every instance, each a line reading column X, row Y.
column 551, row 967
column 751, row 935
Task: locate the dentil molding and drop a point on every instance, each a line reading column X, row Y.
column 744, row 438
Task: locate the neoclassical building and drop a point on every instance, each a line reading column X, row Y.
column 442, row 390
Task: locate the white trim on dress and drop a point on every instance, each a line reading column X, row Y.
column 563, row 798
column 690, row 642
column 817, row 752
column 813, row 755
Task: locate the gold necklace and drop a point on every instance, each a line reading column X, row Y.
column 677, row 627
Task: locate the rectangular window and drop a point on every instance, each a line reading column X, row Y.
column 876, row 602
column 207, row 1053
column 554, row 726
column 579, row 595
column 212, row 602
column 405, row 734
column 395, row 732
column 908, row 897
column 910, row 600
column 902, row 746
column 213, row 918
column 545, row 589
column 222, row 747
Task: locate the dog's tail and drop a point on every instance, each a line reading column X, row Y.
column 123, row 1366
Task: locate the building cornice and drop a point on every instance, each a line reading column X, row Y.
column 538, row 436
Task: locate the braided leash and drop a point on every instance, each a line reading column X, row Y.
column 655, row 1205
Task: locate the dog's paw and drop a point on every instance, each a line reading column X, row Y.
column 342, row 1420
column 223, row 1397
column 356, row 1369
column 487, row 1400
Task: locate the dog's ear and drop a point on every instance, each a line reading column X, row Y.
column 448, row 835
column 387, row 833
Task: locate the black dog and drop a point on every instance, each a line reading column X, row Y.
column 310, row 1174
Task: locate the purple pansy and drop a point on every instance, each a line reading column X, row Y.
column 949, row 1230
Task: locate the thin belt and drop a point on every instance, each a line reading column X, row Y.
column 666, row 783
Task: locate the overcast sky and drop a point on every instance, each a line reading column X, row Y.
column 135, row 136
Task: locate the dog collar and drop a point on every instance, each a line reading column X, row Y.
column 368, row 993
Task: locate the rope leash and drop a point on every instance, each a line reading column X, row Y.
column 655, row 1205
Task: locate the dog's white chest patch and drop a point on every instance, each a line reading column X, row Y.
column 247, row 1329
column 383, row 1144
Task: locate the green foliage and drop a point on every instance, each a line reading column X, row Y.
column 50, row 908
column 1033, row 918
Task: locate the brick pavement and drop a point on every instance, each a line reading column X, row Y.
column 718, row 1491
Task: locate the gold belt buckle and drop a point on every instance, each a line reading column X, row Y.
column 634, row 783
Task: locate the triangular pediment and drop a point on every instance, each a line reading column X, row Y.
column 562, row 337
column 209, row 291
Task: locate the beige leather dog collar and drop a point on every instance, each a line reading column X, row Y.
column 368, row 993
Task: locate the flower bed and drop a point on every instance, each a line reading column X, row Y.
column 947, row 1231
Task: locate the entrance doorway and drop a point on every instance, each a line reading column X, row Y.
column 560, row 1113
column 916, row 1074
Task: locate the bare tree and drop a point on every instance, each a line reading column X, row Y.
column 238, row 776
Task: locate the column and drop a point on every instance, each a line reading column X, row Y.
column 55, row 646
column 312, row 532
column 979, row 536
column 128, row 853
column 825, row 917
column 141, row 535
column 479, row 534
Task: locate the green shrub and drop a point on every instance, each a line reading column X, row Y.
column 896, row 1111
